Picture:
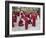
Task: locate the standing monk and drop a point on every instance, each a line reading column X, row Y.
column 26, row 18
column 14, row 18
column 33, row 16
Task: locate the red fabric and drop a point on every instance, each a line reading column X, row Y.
column 17, row 13
column 26, row 23
column 14, row 18
column 25, row 17
column 20, row 23
column 22, row 15
column 34, row 19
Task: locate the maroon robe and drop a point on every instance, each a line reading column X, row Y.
column 20, row 23
column 22, row 15
column 34, row 19
column 14, row 19
column 26, row 23
column 17, row 13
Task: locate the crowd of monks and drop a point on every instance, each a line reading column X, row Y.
column 25, row 18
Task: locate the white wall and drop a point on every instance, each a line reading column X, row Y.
column 2, row 19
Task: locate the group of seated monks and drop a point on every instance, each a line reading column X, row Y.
column 25, row 18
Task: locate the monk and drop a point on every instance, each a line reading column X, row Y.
column 33, row 17
column 14, row 19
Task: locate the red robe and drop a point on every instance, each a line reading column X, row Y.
column 14, row 19
column 33, row 16
column 20, row 23
column 17, row 13
column 26, row 23
column 22, row 15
